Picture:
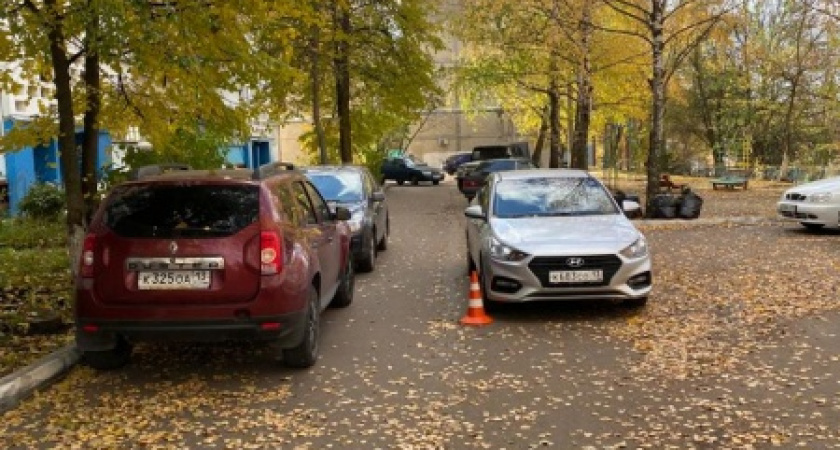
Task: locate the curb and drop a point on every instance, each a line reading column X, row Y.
column 22, row 383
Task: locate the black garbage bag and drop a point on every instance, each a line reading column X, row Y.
column 664, row 206
column 690, row 205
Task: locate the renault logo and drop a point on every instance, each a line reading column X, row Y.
column 575, row 262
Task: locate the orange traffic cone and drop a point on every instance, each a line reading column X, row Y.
column 475, row 308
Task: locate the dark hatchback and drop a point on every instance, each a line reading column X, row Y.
column 354, row 188
column 451, row 164
column 472, row 180
column 404, row 168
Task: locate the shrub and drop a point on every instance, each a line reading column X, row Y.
column 43, row 201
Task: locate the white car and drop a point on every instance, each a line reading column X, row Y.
column 555, row 234
column 814, row 205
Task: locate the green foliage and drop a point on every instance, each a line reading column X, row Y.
column 43, row 201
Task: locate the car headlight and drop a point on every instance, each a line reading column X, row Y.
column 820, row 197
column 637, row 249
column 502, row 252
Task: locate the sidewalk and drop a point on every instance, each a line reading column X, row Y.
column 22, row 383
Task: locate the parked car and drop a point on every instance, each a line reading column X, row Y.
column 207, row 256
column 451, row 164
column 814, row 205
column 470, row 182
column 403, row 168
column 554, row 234
column 485, row 152
column 354, row 188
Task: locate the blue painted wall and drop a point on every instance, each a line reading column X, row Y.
column 40, row 164
column 250, row 155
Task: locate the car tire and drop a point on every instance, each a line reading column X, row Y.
column 414, row 180
column 470, row 263
column 635, row 302
column 111, row 359
column 344, row 294
column 305, row 354
column 368, row 261
column 812, row 226
column 382, row 245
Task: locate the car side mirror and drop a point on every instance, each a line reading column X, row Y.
column 378, row 196
column 475, row 212
column 342, row 213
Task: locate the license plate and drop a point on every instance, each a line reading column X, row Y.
column 785, row 208
column 576, row 276
column 173, row 279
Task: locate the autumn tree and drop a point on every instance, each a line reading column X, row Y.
column 167, row 67
column 671, row 29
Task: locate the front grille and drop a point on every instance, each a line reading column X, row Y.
column 542, row 265
column 795, row 197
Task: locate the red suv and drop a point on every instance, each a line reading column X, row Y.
column 205, row 256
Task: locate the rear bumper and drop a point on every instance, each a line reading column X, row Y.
column 97, row 335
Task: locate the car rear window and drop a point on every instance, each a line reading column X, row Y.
column 172, row 211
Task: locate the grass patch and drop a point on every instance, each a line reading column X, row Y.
column 24, row 233
column 34, row 277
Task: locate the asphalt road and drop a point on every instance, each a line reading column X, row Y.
column 398, row 371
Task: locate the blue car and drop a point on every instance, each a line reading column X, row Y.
column 451, row 164
column 355, row 188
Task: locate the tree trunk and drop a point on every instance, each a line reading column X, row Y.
column 315, row 80
column 657, row 87
column 342, row 85
column 536, row 157
column 90, row 140
column 554, row 125
column 68, row 153
column 583, row 105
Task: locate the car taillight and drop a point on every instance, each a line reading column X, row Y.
column 271, row 253
column 88, row 257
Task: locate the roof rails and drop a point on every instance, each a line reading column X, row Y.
column 272, row 168
column 157, row 169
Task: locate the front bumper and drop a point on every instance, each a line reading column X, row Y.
column 528, row 280
column 827, row 214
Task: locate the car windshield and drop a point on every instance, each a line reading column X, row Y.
column 172, row 211
column 342, row 187
column 551, row 196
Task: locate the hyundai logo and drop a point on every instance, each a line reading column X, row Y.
column 575, row 262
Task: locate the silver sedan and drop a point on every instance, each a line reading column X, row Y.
column 554, row 234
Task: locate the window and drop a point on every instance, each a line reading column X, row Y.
column 322, row 210
column 305, row 204
column 182, row 211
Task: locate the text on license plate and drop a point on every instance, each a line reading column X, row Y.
column 174, row 279
column 576, row 276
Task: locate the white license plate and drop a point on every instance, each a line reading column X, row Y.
column 786, row 208
column 173, row 279
column 576, row 276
